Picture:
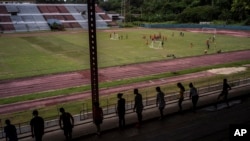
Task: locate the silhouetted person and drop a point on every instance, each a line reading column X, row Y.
column 138, row 107
column 10, row 131
column 97, row 117
column 121, row 110
column 193, row 95
column 224, row 93
column 37, row 126
column 181, row 95
column 208, row 44
column 160, row 101
column 68, row 123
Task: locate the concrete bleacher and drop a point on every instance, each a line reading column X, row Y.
column 71, row 8
column 62, row 9
column 43, row 9
column 99, row 10
column 52, row 9
column 32, row 27
column 27, row 18
column 22, row 18
column 28, row 9
column 3, row 10
column 16, row 17
column 7, row 27
column 5, row 18
column 77, row 12
column 20, row 27
column 11, row 8
column 43, row 26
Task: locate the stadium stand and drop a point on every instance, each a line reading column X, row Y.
column 3, row 10
column 23, row 17
column 11, row 8
column 27, row 9
column 5, row 19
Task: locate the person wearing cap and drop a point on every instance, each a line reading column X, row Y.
column 37, row 126
column 121, row 110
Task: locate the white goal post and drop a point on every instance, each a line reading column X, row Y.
column 209, row 30
column 156, row 44
column 114, row 36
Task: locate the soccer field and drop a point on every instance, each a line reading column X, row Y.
column 32, row 54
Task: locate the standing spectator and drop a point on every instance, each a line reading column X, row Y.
column 68, row 123
column 160, row 101
column 97, row 117
column 138, row 107
column 37, row 126
column 194, row 95
column 181, row 96
column 10, row 131
column 121, row 110
column 224, row 93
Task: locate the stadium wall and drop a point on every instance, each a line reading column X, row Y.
column 227, row 27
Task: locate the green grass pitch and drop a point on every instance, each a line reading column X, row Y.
column 45, row 53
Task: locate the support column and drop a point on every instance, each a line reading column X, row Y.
column 93, row 51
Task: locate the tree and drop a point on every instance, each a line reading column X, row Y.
column 240, row 9
column 183, row 10
column 198, row 14
column 111, row 5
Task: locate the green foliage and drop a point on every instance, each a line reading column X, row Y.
column 56, row 26
column 240, row 9
column 247, row 21
column 111, row 5
column 198, row 14
column 225, row 15
column 230, row 11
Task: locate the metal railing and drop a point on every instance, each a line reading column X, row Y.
column 85, row 115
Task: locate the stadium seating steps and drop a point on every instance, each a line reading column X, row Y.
column 16, row 17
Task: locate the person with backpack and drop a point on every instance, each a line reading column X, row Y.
column 97, row 117
column 68, row 123
column 193, row 95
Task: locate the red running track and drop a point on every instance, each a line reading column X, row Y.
column 50, row 82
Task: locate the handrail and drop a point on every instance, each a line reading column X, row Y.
column 85, row 115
